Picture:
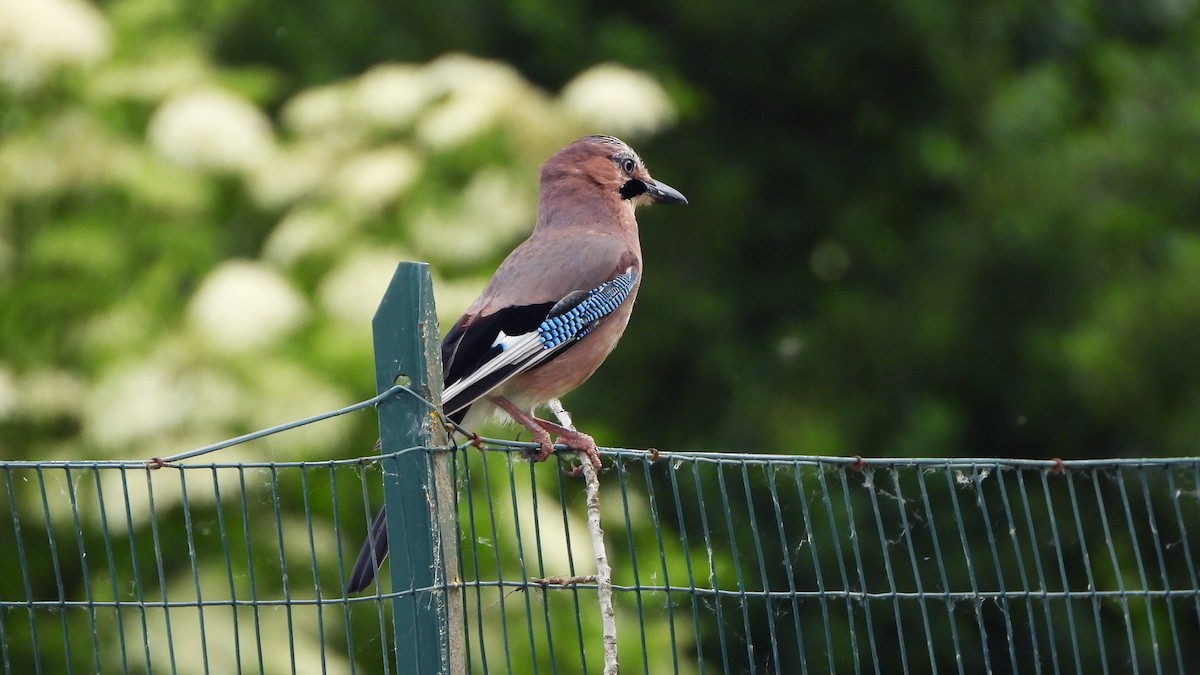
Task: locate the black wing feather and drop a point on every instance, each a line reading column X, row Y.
column 471, row 343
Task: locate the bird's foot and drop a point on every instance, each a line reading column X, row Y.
column 545, row 445
column 578, row 441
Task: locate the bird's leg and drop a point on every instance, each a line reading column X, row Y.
column 540, row 435
column 541, row 430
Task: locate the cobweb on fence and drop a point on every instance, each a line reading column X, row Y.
column 721, row 563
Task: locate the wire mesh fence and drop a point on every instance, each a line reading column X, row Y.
column 721, row 563
column 197, row 568
column 742, row 563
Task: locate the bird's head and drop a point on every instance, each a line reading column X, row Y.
column 612, row 166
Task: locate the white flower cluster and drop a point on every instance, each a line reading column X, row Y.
column 211, row 129
column 474, row 96
column 243, row 305
column 623, row 101
column 39, row 38
column 490, row 212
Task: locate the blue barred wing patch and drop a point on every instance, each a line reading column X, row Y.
column 581, row 318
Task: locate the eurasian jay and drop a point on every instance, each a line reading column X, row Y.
column 553, row 310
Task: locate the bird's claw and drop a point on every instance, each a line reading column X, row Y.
column 591, row 454
column 577, row 470
column 586, row 447
column 542, row 452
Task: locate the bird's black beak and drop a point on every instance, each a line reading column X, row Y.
column 661, row 193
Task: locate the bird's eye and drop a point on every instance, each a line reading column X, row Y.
column 628, row 165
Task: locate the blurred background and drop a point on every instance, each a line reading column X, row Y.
column 915, row 229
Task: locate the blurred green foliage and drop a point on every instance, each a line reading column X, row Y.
column 915, row 229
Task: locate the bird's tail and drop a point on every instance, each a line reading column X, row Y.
column 374, row 550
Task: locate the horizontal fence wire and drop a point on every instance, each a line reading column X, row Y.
column 721, row 563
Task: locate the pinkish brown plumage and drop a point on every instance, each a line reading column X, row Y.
column 554, row 309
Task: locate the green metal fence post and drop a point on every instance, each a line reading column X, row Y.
column 417, row 484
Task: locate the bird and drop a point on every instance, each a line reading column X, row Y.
column 553, row 310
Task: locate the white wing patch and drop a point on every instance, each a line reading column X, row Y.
column 505, row 341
